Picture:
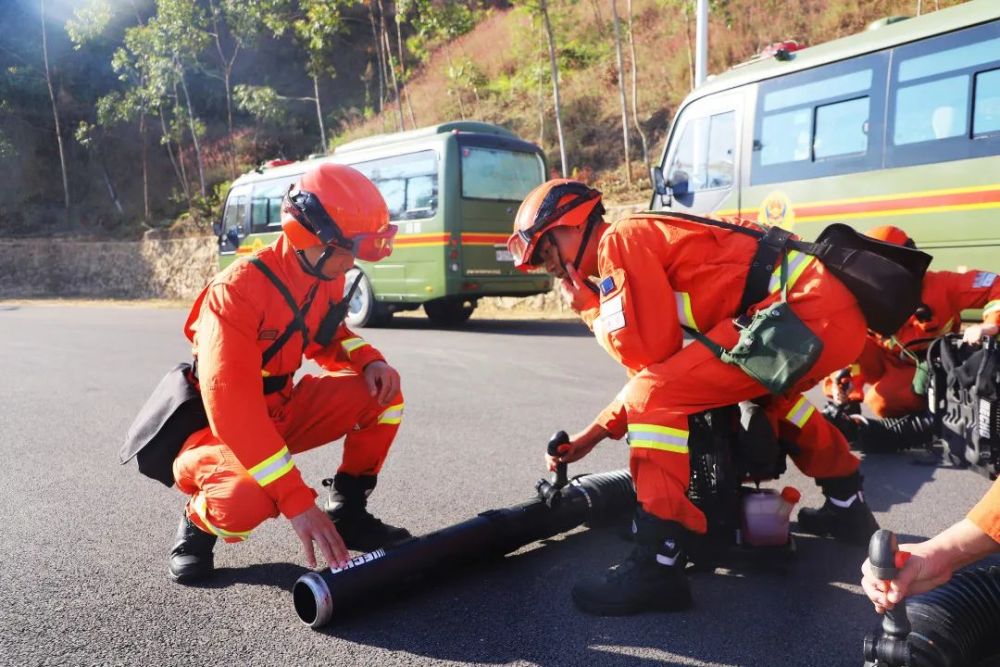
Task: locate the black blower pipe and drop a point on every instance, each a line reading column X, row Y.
column 954, row 625
column 319, row 596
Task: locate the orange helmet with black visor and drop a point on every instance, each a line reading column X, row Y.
column 556, row 203
column 338, row 207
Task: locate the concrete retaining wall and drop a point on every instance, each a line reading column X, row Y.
column 148, row 269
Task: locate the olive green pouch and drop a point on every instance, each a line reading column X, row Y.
column 775, row 347
column 922, row 372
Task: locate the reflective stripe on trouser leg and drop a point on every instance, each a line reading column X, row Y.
column 226, row 501
column 366, row 447
column 658, row 459
column 822, row 449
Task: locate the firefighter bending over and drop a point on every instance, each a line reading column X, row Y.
column 896, row 392
column 655, row 274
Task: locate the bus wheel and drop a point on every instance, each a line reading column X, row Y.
column 449, row 312
column 364, row 310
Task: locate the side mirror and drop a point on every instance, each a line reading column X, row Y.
column 217, row 228
column 678, row 183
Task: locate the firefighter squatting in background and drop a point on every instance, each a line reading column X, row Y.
column 655, row 274
column 250, row 329
column 896, row 393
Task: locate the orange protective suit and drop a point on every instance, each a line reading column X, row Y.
column 888, row 370
column 659, row 272
column 239, row 470
column 986, row 513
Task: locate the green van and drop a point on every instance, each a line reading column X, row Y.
column 452, row 189
column 897, row 125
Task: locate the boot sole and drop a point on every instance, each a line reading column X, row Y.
column 681, row 603
column 189, row 578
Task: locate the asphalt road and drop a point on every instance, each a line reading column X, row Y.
column 84, row 540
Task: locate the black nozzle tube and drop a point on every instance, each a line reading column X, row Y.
column 320, row 596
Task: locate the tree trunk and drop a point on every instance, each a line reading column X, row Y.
column 635, row 91
column 553, row 63
column 227, row 77
column 687, row 39
column 194, row 131
column 55, row 112
column 145, row 166
column 107, row 181
column 620, row 71
column 177, row 162
column 378, row 54
column 402, row 68
column 319, row 113
column 387, row 45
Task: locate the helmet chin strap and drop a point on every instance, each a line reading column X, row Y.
column 587, row 231
column 317, row 269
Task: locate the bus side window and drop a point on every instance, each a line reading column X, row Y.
column 408, row 183
column 986, row 115
column 946, row 92
column 820, row 122
column 704, row 156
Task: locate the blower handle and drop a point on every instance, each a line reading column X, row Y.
column 558, row 439
column 886, row 561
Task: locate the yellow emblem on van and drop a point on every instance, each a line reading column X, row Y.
column 776, row 211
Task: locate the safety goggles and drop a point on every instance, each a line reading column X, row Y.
column 522, row 243
column 368, row 246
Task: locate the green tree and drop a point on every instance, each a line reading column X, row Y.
column 540, row 10
column 55, row 110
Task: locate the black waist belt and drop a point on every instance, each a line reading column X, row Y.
column 272, row 383
column 275, row 383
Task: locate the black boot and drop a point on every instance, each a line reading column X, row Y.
column 347, row 507
column 191, row 557
column 844, row 516
column 840, row 416
column 894, row 434
column 651, row 578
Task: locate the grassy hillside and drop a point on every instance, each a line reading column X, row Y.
column 499, row 72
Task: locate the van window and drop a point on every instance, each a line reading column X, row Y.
column 986, row 119
column 819, row 122
column 705, row 153
column 498, row 174
column 265, row 203
column 944, row 95
column 408, row 183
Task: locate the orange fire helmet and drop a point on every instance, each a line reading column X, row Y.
column 557, row 203
column 336, row 205
column 891, row 234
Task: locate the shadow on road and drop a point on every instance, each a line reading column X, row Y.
column 277, row 575
column 508, row 327
column 894, row 479
column 519, row 610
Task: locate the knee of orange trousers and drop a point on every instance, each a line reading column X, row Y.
column 823, row 451
column 233, row 500
column 661, row 482
column 367, row 447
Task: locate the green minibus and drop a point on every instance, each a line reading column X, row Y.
column 452, row 189
column 897, row 125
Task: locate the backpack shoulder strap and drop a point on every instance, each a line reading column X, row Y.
column 298, row 322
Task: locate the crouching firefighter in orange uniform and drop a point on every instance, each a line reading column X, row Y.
column 656, row 276
column 250, row 329
column 893, row 366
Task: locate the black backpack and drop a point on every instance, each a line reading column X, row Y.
column 964, row 399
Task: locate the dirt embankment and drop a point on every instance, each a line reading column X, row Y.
column 159, row 269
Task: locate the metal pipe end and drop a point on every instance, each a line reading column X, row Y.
column 313, row 600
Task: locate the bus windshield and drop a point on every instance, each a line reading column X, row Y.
column 497, row 174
